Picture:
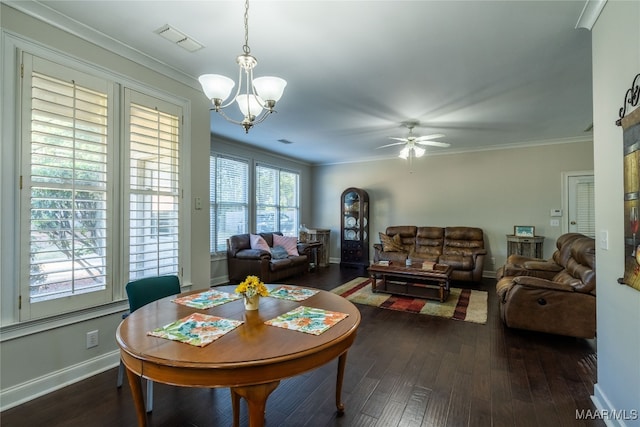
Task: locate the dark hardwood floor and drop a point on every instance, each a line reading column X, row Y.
column 403, row 370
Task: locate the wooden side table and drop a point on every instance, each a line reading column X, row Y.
column 323, row 236
column 525, row 246
column 314, row 247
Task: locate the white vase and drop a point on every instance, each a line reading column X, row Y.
column 252, row 303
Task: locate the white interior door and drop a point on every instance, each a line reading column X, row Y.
column 580, row 204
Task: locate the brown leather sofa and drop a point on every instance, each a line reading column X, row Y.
column 460, row 247
column 555, row 296
column 242, row 261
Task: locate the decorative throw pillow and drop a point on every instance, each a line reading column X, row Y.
column 279, row 252
column 258, row 242
column 290, row 243
column 391, row 244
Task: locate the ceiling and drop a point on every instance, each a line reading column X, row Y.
column 487, row 74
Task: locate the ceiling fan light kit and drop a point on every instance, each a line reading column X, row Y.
column 258, row 99
column 411, row 151
column 412, row 143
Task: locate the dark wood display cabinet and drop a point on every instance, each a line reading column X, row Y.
column 354, row 226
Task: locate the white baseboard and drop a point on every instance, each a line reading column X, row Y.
column 604, row 408
column 21, row 393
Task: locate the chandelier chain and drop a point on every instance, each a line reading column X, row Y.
column 246, row 48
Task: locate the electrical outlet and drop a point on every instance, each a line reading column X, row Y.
column 92, row 339
column 493, row 260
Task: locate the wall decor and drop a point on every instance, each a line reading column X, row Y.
column 524, row 230
column 630, row 123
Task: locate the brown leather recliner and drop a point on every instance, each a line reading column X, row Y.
column 518, row 265
column 560, row 302
column 242, row 261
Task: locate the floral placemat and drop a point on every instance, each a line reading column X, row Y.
column 196, row 329
column 292, row 293
column 307, row 319
column 206, row 299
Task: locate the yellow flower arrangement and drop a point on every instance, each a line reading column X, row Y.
column 252, row 286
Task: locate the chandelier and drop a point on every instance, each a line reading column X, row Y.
column 256, row 98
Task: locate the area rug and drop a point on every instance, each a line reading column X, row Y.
column 463, row 304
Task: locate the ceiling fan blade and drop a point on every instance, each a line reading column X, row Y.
column 390, row 145
column 399, row 139
column 428, row 137
column 434, row 143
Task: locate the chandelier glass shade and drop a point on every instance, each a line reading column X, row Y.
column 411, row 150
column 256, row 98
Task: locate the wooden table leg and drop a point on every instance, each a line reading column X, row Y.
column 256, row 397
column 342, row 362
column 135, row 382
column 235, row 406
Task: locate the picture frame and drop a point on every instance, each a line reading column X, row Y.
column 524, row 230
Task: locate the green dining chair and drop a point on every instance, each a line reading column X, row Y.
column 140, row 293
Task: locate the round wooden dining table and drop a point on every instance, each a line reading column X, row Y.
column 250, row 360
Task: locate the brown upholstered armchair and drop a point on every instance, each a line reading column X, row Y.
column 559, row 298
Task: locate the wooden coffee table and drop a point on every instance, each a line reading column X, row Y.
column 413, row 281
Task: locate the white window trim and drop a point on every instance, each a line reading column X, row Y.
column 10, row 45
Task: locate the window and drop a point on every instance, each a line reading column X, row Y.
column 229, row 198
column 277, row 201
column 585, row 208
column 73, row 196
column 578, row 190
column 154, row 193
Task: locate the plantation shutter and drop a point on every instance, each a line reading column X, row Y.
column 153, row 129
column 585, row 208
column 229, row 196
column 64, row 190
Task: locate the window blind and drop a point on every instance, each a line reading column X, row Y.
column 154, row 193
column 277, row 201
column 585, row 208
column 68, row 194
column 229, row 198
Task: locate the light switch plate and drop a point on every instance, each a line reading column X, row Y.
column 604, row 240
column 555, row 222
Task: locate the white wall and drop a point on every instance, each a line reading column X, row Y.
column 616, row 60
column 50, row 356
column 493, row 190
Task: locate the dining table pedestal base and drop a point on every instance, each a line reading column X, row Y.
column 256, row 397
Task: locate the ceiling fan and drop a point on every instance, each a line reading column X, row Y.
column 412, row 143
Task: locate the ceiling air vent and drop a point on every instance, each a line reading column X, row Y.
column 178, row 37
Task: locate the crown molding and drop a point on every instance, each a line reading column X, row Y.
column 43, row 13
column 590, row 13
